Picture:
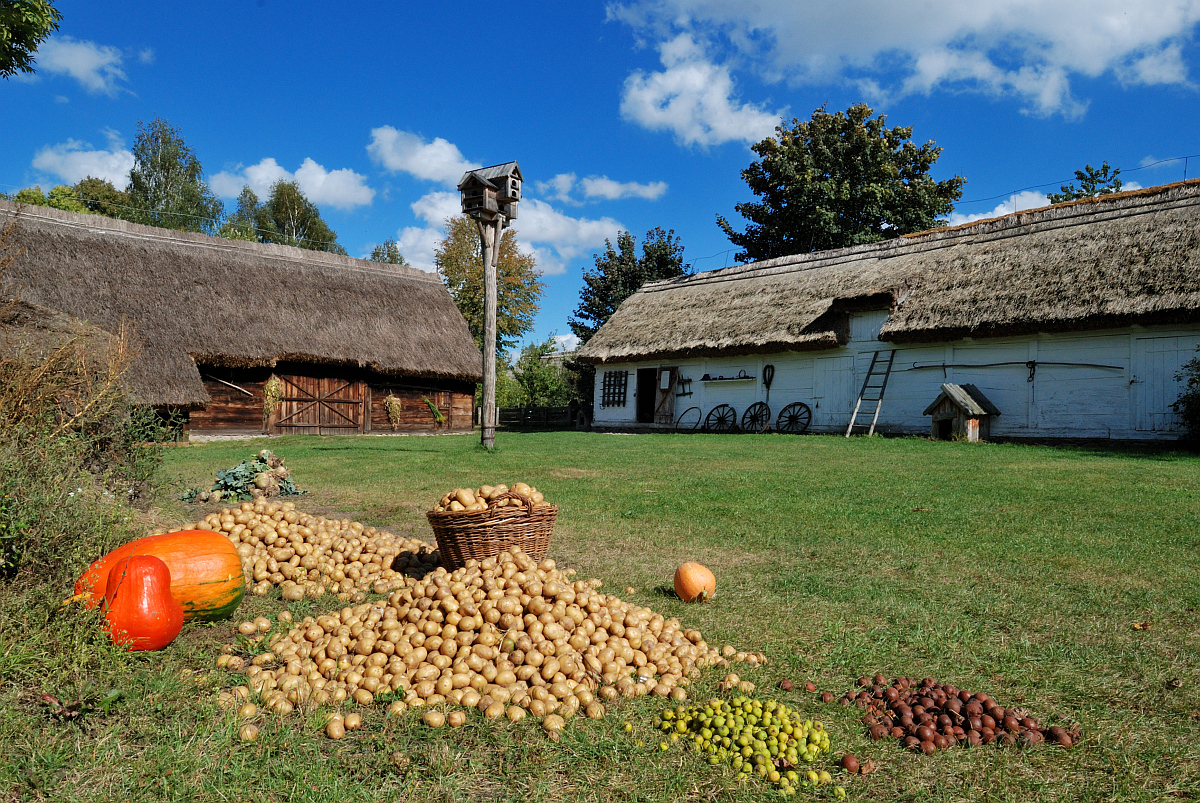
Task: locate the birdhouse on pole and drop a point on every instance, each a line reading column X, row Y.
column 490, row 196
column 491, row 192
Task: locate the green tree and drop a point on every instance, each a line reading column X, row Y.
column 388, row 253
column 60, row 197
column 24, row 25
column 1092, row 182
column 518, row 288
column 286, row 217
column 543, row 384
column 618, row 274
column 167, row 182
column 101, row 197
column 242, row 224
column 838, row 180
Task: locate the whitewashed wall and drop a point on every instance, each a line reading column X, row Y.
column 1133, row 401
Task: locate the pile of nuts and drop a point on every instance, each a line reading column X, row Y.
column 311, row 556
column 929, row 716
column 505, row 636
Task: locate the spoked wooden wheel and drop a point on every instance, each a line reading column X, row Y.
column 689, row 420
column 757, row 418
column 794, row 419
column 721, row 418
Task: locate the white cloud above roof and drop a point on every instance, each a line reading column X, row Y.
column 694, row 99
column 342, row 189
column 1030, row 49
column 403, row 151
column 96, row 67
column 73, row 160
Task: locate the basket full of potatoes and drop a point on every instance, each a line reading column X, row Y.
column 480, row 523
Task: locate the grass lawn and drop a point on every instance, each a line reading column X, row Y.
column 1015, row 570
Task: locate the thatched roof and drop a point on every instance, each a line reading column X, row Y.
column 1115, row 260
column 29, row 330
column 196, row 299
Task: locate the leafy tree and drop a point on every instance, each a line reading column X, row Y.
column 518, row 288
column 838, row 180
column 542, row 382
column 60, row 197
column 618, row 274
column 388, row 252
column 101, row 197
column 1187, row 406
column 287, row 217
column 242, row 224
column 167, row 183
column 1092, row 182
column 24, row 25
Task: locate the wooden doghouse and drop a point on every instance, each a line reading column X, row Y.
column 961, row 411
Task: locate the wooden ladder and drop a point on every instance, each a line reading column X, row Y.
column 872, row 393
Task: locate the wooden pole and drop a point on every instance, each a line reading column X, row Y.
column 490, row 245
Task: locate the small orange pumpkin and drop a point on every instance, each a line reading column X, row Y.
column 138, row 606
column 206, row 572
column 694, row 583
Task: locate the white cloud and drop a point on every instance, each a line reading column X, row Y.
column 567, row 343
column 343, row 189
column 404, row 151
column 96, row 67
column 605, row 187
column 74, row 160
column 693, row 99
column 1029, row 199
column 559, row 188
column 146, row 55
column 1030, row 49
column 552, row 237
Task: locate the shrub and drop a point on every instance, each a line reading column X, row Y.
column 1187, row 406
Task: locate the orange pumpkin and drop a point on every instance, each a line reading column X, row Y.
column 694, row 583
column 206, row 572
column 138, row 606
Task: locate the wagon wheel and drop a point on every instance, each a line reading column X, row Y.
column 794, row 419
column 721, row 418
column 757, row 418
column 689, row 420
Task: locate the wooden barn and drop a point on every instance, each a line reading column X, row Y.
column 245, row 338
column 1072, row 319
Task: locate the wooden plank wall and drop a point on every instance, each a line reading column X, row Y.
column 230, row 410
column 415, row 415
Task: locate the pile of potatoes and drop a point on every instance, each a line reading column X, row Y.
column 505, row 636
column 472, row 500
column 310, row 555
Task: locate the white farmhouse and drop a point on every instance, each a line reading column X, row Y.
column 1072, row 320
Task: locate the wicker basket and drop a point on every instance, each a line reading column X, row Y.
column 486, row 533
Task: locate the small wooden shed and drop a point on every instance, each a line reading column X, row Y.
column 961, row 411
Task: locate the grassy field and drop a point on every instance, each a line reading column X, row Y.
column 1015, row 570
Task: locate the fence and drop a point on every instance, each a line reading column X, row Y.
column 536, row 418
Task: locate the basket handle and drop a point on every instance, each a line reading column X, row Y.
column 527, row 500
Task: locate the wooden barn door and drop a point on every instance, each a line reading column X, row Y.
column 321, row 405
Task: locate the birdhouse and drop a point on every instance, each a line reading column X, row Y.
column 490, row 191
column 961, row 411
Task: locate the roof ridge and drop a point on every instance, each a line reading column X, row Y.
column 986, row 229
column 276, row 251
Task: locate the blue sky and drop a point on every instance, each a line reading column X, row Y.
column 622, row 115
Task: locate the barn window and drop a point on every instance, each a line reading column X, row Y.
column 612, row 390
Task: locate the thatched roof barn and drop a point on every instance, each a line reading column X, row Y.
column 1108, row 261
column 201, row 306
column 1075, row 318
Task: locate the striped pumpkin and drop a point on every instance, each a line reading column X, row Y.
column 206, row 573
